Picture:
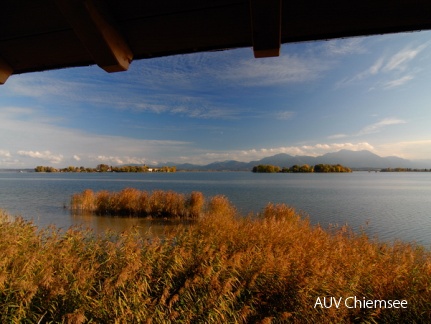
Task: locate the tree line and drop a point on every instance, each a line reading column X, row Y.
column 107, row 168
column 404, row 170
column 319, row 168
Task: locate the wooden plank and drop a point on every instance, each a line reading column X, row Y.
column 21, row 18
column 45, row 52
column 189, row 32
column 5, row 71
column 303, row 21
column 104, row 42
column 266, row 27
column 139, row 9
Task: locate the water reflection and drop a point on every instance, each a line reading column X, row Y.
column 146, row 226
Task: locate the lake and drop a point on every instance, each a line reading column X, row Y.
column 388, row 205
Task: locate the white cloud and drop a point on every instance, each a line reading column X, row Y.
column 257, row 154
column 371, row 129
column 119, row 95
column 271, row 71
column 414, row 149
column 345, row 46
column 177, row 80
column 376, row 127
column 399, row 60
column 389, row 68
column 46, row 155
column 375, row 68
column 285, row 115
column 398, row 82
column 117, row 160
column 14, row 111
column 4, row 153
column 28, row 142
column 40, row 85
column 372, row 70
column 6, row 159
column 231, row 69
column 337, row 136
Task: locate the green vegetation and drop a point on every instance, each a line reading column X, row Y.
column 270, row 268
column 320, row 168
column 298, row 169
column 331, row 168
column 266, row 168
column 107, row 168
column 133, row 202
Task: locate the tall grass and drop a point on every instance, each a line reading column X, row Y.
column 224, row 269
column 133, row 202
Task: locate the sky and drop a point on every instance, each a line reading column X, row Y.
column 365, row 93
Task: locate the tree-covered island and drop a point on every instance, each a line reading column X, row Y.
column 107, row 168
column 318, row 168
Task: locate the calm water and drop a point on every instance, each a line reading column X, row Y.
column 389, row 205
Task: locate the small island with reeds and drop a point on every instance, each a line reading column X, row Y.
column 107, row 168
column 318, row 168
column 136, row 203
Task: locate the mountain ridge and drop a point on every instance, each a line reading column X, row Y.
column 359, row 160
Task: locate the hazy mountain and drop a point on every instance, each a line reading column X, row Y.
column 286, row 160
column 363, row 159
column 352, row 159
column 277, row 159
column 230, row 165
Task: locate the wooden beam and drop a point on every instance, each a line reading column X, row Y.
column 5, row 71
column 266, row 27
column 102, row 40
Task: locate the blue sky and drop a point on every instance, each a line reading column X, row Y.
column 370, row 93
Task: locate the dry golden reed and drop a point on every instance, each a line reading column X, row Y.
column 133, row 202
column 266, row 268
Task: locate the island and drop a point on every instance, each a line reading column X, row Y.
column 107, row 168
column 318, row 168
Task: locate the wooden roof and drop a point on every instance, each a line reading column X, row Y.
column 37, row 35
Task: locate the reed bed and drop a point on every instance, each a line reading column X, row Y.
column 265, row 268
column 136, row 203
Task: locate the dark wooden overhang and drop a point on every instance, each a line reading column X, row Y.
column 37, row 35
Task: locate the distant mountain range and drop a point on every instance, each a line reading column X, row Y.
column 357, row 160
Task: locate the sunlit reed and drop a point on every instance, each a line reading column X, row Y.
column 133, row 202
column 265, row 268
